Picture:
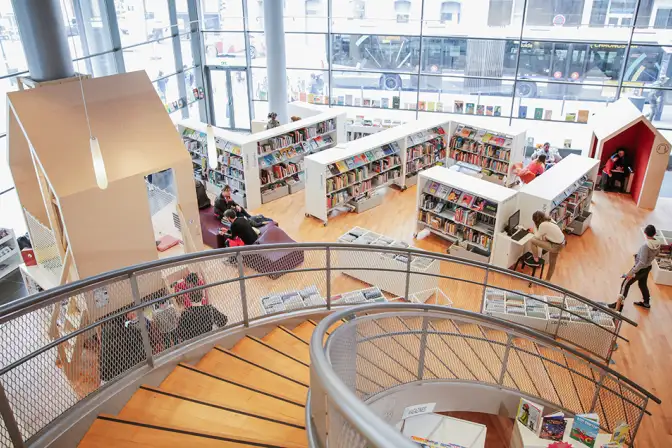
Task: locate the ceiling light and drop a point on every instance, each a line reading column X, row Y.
column 212, row 148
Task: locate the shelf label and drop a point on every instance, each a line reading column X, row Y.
column 418, row 409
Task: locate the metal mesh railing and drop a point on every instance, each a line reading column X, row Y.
column 383, row 347
column 73, row 341
column 44, row 245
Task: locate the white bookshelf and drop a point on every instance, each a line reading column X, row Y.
column 661, row 268
column 542, row 315
column 495, row 151
column 271, row 162
column 391, row 282
column 475, row 228
column 564, row 191
column 10, row 254
column 231, row 167
column 322, row 198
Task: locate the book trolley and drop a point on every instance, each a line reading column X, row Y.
column 349, row 175
column 661, row 268
column 464, row 210
column 392, row 282
column 494, row 152
column 542, row 315
column 564, row 192
column 264, row 166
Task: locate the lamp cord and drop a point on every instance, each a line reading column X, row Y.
column 79, row 76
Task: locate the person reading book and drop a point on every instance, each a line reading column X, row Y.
column 548, row 236
column 533, row 170
column 225, row 202
column 640, row 271
column 240, row 228
column 552, row 155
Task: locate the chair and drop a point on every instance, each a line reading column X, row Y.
column 527, row 259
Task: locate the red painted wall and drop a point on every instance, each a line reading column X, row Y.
column 638, row 142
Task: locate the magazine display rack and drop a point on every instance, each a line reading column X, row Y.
column 543, row 316
column 351, row 173
column 564, row 192
column 661, row 268
column 391, row 282
column 292, row 300
column 495, row 152
column 10, row 253
column 464, row 210
column 264, row 166
column 366, row 295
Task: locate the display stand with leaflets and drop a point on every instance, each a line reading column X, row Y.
column 10, row 253
column 661, row 268
column 493, row 152
column 267, row 165
column 349, row 175
column 470, row 213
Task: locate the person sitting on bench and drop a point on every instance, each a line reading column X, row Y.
column 241, row 228
column 225, row 202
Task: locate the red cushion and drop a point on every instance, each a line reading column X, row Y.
column 166, row 242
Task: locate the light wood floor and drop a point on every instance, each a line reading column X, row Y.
column 591, row 265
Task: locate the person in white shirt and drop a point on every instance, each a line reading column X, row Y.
column 547, row 236
column 552, row 155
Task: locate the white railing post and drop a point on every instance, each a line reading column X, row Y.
column 142, row 320
column 328, row 278
column 505, row 359
column 10, row 422
column 423, row 347
column 243, row 290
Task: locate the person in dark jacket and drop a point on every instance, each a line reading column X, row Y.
column 225, row 202
column 202, row 195
column 199, row 319
column 640, row 271
column 241, row 228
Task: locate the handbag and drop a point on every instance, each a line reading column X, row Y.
column 236, row 242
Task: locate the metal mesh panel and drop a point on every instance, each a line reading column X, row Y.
column 5, row 441
column 44, row 245
column 341, row 434
column 163, row 208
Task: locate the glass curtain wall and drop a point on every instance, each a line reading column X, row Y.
column 556, row 61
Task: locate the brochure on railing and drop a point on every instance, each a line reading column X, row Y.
column 439, row 431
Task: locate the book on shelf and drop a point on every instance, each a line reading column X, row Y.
column 439, row 106
column 454, row 195
column 585, row 429
column 480, row 109
column 348, row 100
column 367, row 102
column 498, row 111
column 303, row 97
column 466, row 200
column 522, row 111
column 570, row 117
column 458, row 107
column 358, row 101
column 489, row 111
column 582, row 116
column 538, row 113
column 548, row 113
column 396, row 102
column 529, row 414
column 470, row 108
column 553, row 426
column 431, row 106
column 385, row 103
column 421, row 105
column 375, row 103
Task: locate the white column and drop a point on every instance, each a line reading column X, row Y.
column 276, row 62
column 587, row 9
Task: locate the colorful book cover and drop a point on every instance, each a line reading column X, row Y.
column 620, row 433
column 367, row 102
column 582, row 116
column 348, row 100
column 458, row 107
column 480, row 109
column 311, row 98
column 396, row 102
column 439, row 106
column 489, row 110
column 341, row 100
column 553, row 427
column 342, row 167
column 470, row 108
column 570, row 117
column 428, row 443
column 433, row 187
column 498, row 111
column 431, row 106
column 529, row 414
column 375, row 103
column 454, row 196
column 466, row 200
column 538, row 113
column 385, row 103
column 585, row 429
column 421, row 105
column 522, row 111
column 303, row 96
column 548, row 113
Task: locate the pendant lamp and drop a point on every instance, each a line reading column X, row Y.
column 98, row 164
column 212, row 149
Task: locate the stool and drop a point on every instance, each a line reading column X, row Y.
column 527, row 259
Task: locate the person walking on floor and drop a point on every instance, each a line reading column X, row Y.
column 640, row 271
column 548, row 236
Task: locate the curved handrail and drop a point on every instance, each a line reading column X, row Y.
column 362, row 419
column 231, row 272
column 53, row 293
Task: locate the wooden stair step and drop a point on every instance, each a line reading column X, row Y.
column 287, row 342
column 226, row 364
column 114, row 432
column 259, row 352
column 194, row 383
column 304, row 330
column 156, row 407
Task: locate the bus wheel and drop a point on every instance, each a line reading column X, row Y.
column 390, row 82
column 526, row 90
